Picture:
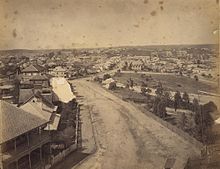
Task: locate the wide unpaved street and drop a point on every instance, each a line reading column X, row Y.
column 126, row 138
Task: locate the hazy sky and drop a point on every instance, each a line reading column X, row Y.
column 39, row 24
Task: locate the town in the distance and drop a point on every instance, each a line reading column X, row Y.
column 113, row 107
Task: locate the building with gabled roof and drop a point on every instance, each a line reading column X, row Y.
column 22, row 137
column 58, row 72
column 39, row 108
column 33, row 78
column 32, row 70
column 15, row 121
column 137, row 65
column 42, row 107
column 39, row 81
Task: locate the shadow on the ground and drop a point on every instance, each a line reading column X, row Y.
column 71, row 160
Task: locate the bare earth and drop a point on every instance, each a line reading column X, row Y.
column 125, row 137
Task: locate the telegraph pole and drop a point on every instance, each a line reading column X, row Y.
column 202, row 122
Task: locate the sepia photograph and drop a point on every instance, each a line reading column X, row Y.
column 109, row 84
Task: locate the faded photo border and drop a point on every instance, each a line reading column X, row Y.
column 124, row 36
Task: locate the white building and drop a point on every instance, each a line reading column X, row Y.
column 58, row 72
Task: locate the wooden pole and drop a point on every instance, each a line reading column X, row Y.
column 50, row 153
column 29, row 158
column 16, row 164
column 15, row 145
column 40, row 133
column 28, row 139
column 41, row 155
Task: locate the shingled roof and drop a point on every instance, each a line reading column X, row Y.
column 33, row 68
column 15, row 121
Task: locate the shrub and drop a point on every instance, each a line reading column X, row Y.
column 196, row 78
column 112, row 86
column 106, row 76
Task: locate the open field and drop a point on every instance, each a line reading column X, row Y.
column 169, row 81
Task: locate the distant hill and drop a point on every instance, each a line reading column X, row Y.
column 24, row 52
column 27, row 52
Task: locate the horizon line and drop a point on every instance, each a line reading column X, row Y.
column 111, row 46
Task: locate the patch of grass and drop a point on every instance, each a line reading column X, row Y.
column 169, row 81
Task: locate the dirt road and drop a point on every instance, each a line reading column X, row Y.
column 126, row 138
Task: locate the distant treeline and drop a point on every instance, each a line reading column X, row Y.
column 132, row 50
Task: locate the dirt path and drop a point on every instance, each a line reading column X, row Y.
column 126, row 138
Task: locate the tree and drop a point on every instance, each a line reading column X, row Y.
column 209, row 107
column 155, row 104
column 183, row 121
column 131, row 82
column 177, row 100
column 67, row 135
column 185, row 99
column 59, row 53
column 51, row 54
column 159, row 91
column 127, row 85
column 106, row 76
column 130, row 66
column 125, row 66
column 196, row 78
column 198, row 61
column 143, row 84
column 167, row 98
column 195, row 105
column 112, row 86
column 203, row 121
column 198, row 117
column 143, row 90
column 161, row 108
column 149, row 90
column 160, row 85
column 118, row 73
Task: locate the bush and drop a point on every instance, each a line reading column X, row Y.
column 143, row 90
column 209, row 107
column 196, row 78
column 148, row 90
column 106, row 76
column 97, row 79
column 112, row 86
column 143, row 84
